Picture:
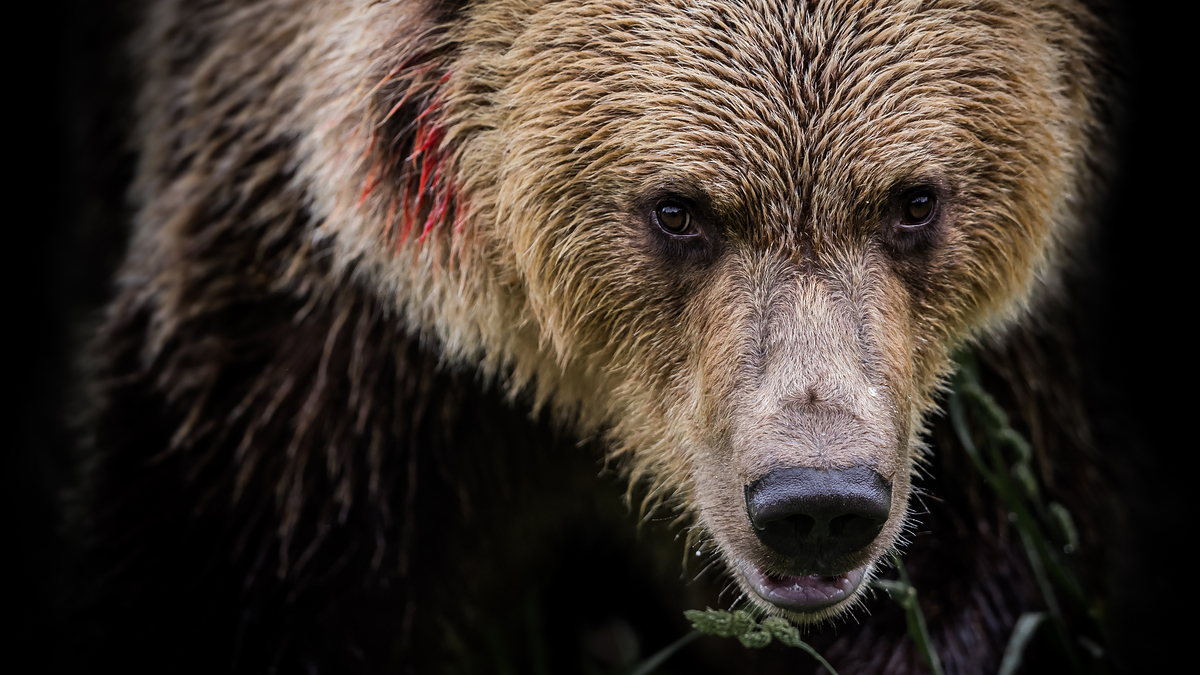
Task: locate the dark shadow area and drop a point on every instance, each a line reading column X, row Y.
column 1137, row 360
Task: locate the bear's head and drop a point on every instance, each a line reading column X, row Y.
column 739, row 240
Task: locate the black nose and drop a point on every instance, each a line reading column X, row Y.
column 818, row 517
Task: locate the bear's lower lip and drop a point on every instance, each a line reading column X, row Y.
column 804, row 593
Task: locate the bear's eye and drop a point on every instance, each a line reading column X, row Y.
column 918, row 208
column 674, row 218
column 914, row 217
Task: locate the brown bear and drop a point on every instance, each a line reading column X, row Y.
column 398, row 269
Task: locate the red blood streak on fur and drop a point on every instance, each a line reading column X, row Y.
column 395, row 108
column 428, row 166
column 430, row 158
column 392, row 73
column 425, row 189
column 407, row 94
column 432, row 138
column 370, row 183
column 412, row 58
column 406, row 217
column 434, row 106
column 435, row 216
column 418, row 138
column 368, row 186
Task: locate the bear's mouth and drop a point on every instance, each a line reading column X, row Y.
column 807, row 593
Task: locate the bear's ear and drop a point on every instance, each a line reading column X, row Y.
column 407, row 177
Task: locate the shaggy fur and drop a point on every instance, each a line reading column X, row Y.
column 370, row 235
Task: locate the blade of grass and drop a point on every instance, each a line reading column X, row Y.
column 786, row 633
column 649, row 665
column 1043, row 560
column 808, row 648
column 1022, row 633
column 902, row 591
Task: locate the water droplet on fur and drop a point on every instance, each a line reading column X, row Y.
column 873, row 391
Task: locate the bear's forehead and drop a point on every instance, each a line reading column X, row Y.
column 758, row 100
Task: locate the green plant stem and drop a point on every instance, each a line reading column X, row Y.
column 649, row 665
column 902, row 591
column 808, row 648
column 1043, row 561
column 1022, row 633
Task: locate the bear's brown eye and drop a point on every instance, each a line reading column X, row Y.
column 674, row 218
column 918, row 208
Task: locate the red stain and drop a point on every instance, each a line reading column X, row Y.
column 370, row 183
column 407, row 218
column 430, row 189
column 427, row 192
column 435, row 216
column 395, row 108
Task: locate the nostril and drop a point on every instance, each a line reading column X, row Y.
column 851, row 525
column 802, row 526
column 816, row 517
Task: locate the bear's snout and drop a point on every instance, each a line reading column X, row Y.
column 818, row 519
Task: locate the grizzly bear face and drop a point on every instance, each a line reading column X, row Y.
column 741, row 239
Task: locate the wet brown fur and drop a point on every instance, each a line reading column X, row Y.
column 340, row 202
